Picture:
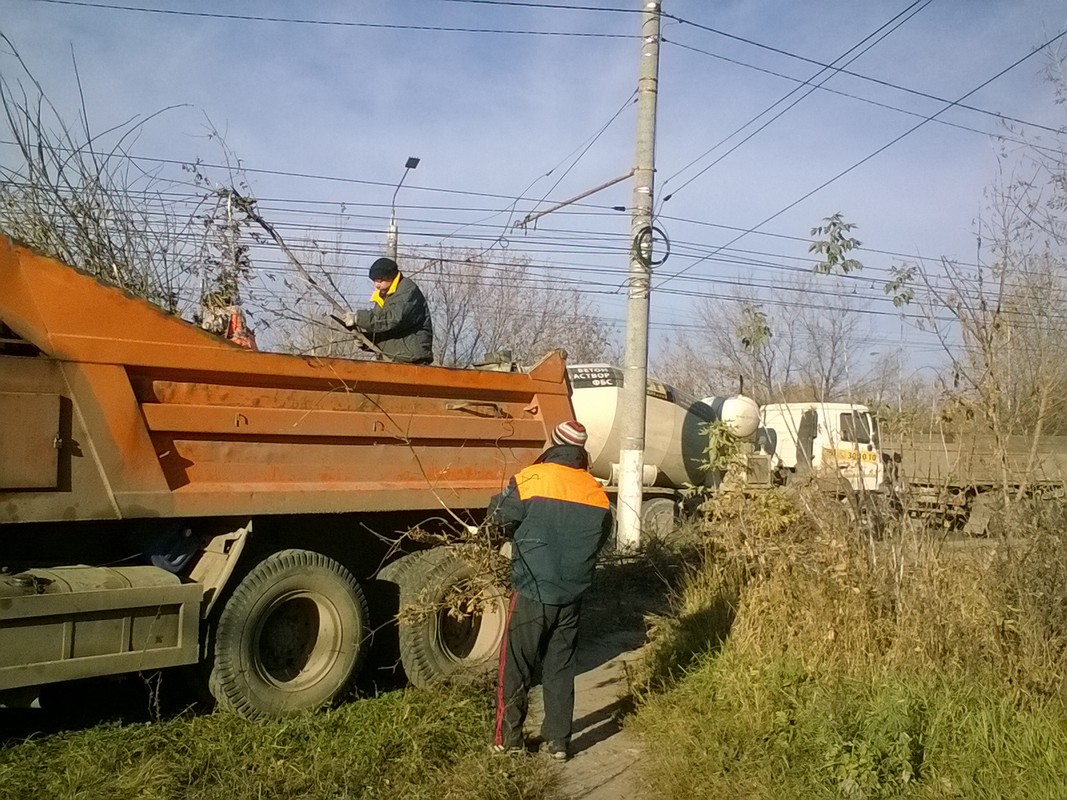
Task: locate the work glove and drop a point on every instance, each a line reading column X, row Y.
column 349, row 320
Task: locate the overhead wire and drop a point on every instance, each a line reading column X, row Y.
column 560, row 6
column 852, row 54
column 555, row 6
column 584, row 148
column 1001, row 135
column 914, row 341
column 867, row 78
column 343, row 209
column 584, row 209
column 718, row 250
column 886, row 146
column 572, row 247
column 585, row 285
column 333, row 23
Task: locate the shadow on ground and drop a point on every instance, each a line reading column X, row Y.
column 624, row 593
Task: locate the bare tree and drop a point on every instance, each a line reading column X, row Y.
column 1002, row 322
column 483, row 306
column 831, row 362
column 795, row 343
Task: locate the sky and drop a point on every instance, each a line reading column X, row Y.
column 512, row 106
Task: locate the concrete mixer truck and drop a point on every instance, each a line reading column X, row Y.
column 676, row 440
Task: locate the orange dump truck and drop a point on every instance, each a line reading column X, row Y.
column 168, row 498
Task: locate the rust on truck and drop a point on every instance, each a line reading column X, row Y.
column 130, row 412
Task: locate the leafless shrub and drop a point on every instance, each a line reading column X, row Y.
column 77, row 195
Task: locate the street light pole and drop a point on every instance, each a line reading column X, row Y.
column 391, row 236
column 635, row 368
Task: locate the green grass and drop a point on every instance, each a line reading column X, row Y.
column 407, row 744
column 736, row 729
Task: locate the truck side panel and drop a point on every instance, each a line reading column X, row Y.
column 974, row 460
column 76, row 464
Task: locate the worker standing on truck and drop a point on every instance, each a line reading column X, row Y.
column 399, row 321
column 559, row 518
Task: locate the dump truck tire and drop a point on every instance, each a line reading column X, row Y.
column 291, row 637
column 658, row 516
column 438, row 642
column 400, row 570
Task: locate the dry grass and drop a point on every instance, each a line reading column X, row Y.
column 855, row 667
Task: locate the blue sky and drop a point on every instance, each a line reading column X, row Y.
column 491, row 113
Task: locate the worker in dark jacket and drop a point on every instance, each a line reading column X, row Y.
column 399, row 321
column 559, row 516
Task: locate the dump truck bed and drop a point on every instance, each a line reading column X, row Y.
column 127, row 411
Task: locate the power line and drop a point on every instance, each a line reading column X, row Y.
column 584, row 285
column 333, row 23
column 573, row 246
column 869, row 79
column 869, row 101
column 558, row 6
column 583, row 150
column 343, row 206
column 886, row 146
column 853, row 53
column 592, row 209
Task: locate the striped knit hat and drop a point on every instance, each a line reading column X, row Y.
column 570, row 432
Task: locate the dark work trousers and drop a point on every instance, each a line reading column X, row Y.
column 537, row 636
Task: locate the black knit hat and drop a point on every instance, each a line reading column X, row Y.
column 384, row 269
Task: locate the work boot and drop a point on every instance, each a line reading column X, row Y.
column 557, row 751
column 508, row 749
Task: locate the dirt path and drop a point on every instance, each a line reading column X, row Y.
column 613, row 631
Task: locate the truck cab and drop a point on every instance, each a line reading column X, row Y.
column 836, row 441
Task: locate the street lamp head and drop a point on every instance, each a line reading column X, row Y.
column 410, row 164
column 391, row 236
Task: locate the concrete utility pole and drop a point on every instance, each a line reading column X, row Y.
column 635, row 369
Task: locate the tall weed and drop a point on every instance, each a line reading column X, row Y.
column 856, row 666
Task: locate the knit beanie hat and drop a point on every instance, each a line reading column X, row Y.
column 384, row 269
column 570, row 432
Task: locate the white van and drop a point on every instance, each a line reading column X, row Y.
column 829, row 439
